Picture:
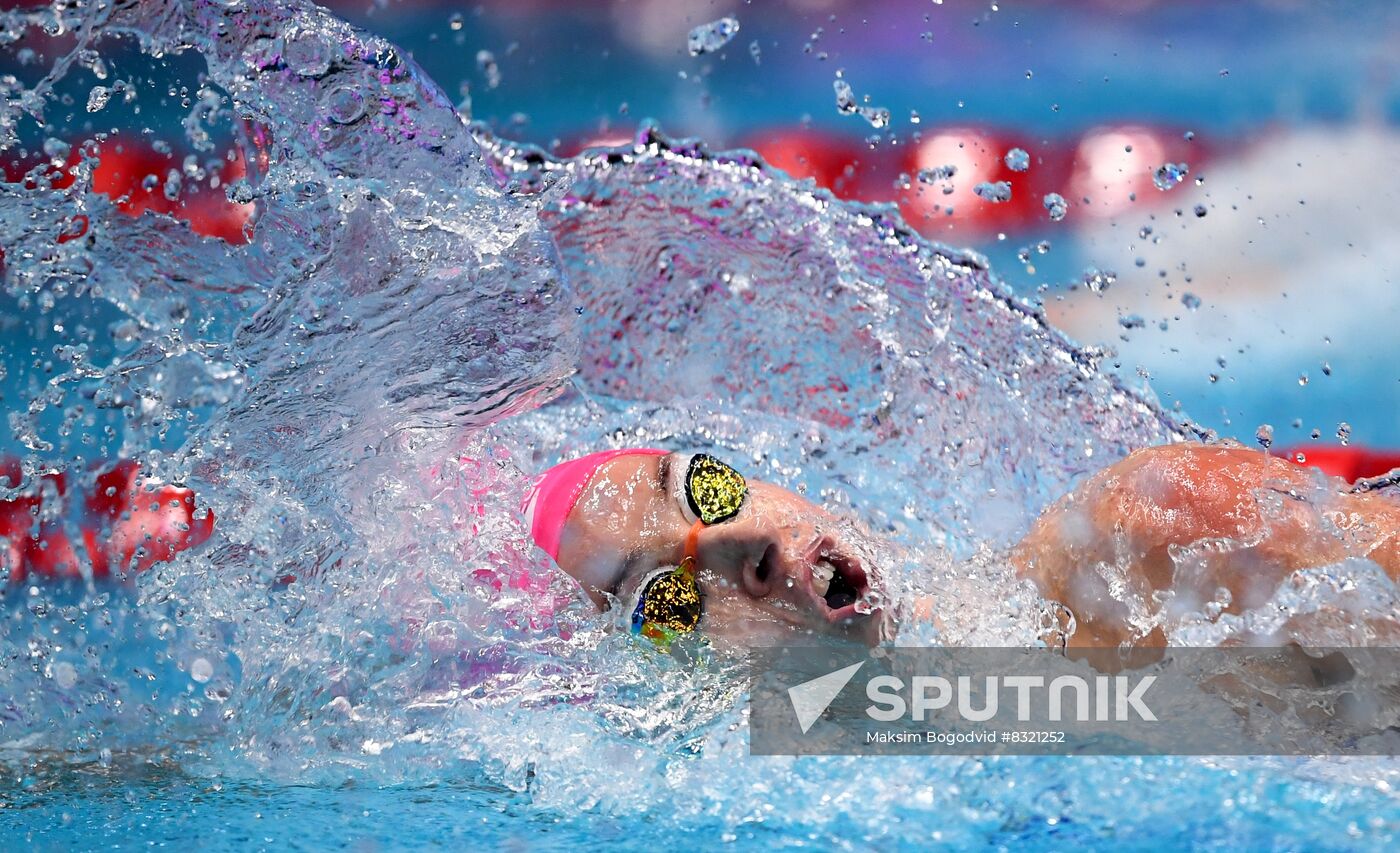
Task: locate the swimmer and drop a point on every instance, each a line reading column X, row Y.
column 675, row 543
column 683, row 542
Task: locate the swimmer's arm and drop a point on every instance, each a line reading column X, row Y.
column 127, row 524
column 1221, row 523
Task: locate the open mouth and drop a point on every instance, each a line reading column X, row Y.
column 839, row 581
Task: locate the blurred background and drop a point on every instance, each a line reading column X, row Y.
column 1206, row 189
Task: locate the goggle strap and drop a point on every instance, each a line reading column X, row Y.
column 692, row 543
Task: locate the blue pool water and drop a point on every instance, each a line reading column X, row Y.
column 980, row 803
column 428, row 314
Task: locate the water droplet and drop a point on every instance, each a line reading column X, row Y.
column 65, row 675
column 710, row 37
column 172, row 185
column 1302, row 379
column 846, row 104
column 1265, row 436
column 1200, row 210
column 1098, row 280
column 994, row 192
column 1326, row 368
column 201, row 670
column 1168, row 175
column 1191, row 301
column 56, row 149
column 937, row 173
column 486, row 63
column 1344, row 433
column 344, row 105
column 98, row 98
column 1132, row 321
column 240, row 192
column 455, row 21
column 1018, row 160
column 150, row 182
column 308, row 55
column 869, row 603
column 1056, row 206
column 756, row 52
column 845, row 96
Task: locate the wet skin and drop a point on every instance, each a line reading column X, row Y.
column 1193, row 520
column 761, row 574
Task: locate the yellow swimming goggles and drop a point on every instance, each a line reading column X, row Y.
column 707, row 489
column 670, row 602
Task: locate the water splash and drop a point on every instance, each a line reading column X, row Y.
column 419, row 316
column 1055, row 206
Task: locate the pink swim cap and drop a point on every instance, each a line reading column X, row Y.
column 556, row 492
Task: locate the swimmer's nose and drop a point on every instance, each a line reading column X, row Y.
column 754, row 557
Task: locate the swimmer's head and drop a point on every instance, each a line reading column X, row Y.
column 678, row 542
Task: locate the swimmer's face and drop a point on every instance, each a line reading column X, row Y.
column 762, row 574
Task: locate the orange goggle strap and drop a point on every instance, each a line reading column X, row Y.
column 692, row 542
